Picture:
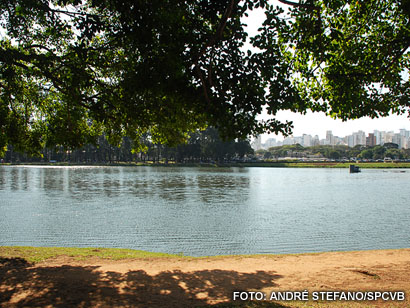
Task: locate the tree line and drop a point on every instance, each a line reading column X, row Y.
column 378, row 152
column 202, row 146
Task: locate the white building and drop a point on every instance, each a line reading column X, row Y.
column 257, row 143
column 329, row 138
column 271, row 142
column 359, row 138
column 378, row 136
column 306, row 140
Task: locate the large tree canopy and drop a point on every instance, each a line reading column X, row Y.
column 73, row 69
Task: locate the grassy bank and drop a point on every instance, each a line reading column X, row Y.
column 39, row 254
column 370, row 165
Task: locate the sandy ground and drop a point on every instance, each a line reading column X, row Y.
column 64, row 282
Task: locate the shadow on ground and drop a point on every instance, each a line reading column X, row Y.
column 23, row 285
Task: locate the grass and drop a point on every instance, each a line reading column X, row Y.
column 39, row 254
column 383, row 165
column 377, row 165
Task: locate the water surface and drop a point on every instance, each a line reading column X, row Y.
column 205, row 211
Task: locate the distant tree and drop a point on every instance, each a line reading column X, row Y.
column 261, row 152
column 406, row 153
column 378, row 152
column 366, row 154
column 356, row 150
column 267, row 155
column 242, row 148
column 390, row 145
column 333, row 154
column 394, row 153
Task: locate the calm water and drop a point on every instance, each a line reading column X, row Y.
column 201, row 211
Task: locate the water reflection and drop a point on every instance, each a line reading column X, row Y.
column 2, row 178
column 15, row 178
column 52, row 180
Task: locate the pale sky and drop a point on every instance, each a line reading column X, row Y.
column 318, row 123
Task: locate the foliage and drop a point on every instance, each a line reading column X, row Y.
column 339, row 151
column 201, row 146
column 285, row 150
column 366, row 154
column 349, row 56
column 380, row 152
column 72, row 70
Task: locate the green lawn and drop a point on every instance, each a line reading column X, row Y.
column 288, row 164
column 38, row 254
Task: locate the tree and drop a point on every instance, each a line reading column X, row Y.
column 356, row 150
column 378, row 152
column 394, row 153
column 73, row 69
column 391, row 145
column 350, row 58
column 242, row 148
column 334, row 154
column 366, row 154
column 267, row 155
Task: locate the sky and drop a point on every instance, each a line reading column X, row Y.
column 319, row 123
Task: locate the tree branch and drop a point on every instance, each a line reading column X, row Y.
column 219, row 31
column 38, row 46
column 211, row 42
column 297, row 4
column 395, row 58
column 204, row 87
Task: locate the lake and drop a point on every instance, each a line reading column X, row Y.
column 205, row 211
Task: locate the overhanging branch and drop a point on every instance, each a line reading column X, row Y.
column 297, row 4
column 219, row 31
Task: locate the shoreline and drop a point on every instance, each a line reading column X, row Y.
column 153, row 280
column 37, row 254
column 284, row 164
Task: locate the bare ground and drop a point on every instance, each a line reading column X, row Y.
column 169, row 282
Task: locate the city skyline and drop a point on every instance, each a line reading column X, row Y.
column 360, row 137
column 318, row 124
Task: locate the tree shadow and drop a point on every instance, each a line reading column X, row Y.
column 23, row 285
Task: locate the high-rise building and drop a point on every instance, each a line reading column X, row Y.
column 371, row 140
column 329, row 137
column 288, row 141
column 307, row 140
column 398, row 139
column 378, row 136
column 257, row 143
column 388, row 137
column 271, row 142
column 359, row 138
column 315, row 140
column 350, row 141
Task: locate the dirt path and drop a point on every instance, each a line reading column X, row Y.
column 64, row 282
